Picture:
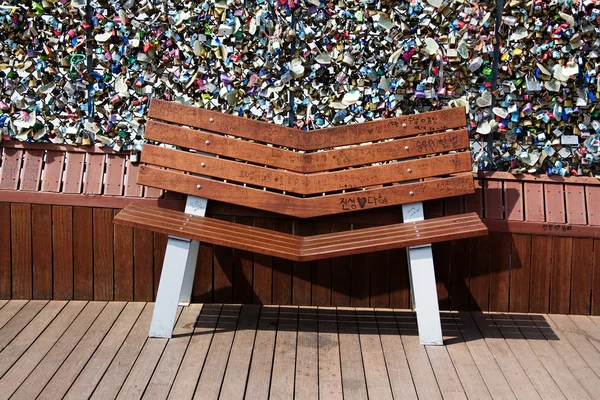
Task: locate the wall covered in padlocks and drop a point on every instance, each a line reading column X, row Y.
column 83, row 71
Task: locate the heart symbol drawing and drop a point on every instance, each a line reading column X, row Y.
column 362, row 201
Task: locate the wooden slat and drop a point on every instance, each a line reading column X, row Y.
column 330, row 374
column 542, row 228
column 11, row 169
column 132, row 189
column 53, row 171
column 282, row 269
column 492, row 192
column 62, row 241
column 595, row 282
column 238, row 365
column 74, row 173
column 321, row 273
column 581, row 276
column 534, row 202
column 474, row 202
column 555, row 203
column 103, row 254
column 20, row 321
column 262, row 354
column 9, row 310
column 562, row 252
column 123, row 262
column 500, row 271
column 575, row 202
column 351, row 360
column 41, row 241
column 195, row 356
column 223, row 271
column 115, row 375
column 15, row 144
column 83, row 254
column 479, row 278
column 115, row 174
column 263, row 268
column 520, row 272
column 307, row 184
column 306, row 207
column 306, row 162
column 539, row 287
column 301, row 272
column 5, row 254
column 284, row 357
column 309, row 140
column 592, row 196
column 341, row 278
column 143, row 275
column 21, row 254
column 307, row 355
column 32, row 170
column 513, row 200
column 48, row 366
column 94, row 174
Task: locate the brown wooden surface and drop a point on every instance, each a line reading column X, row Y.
column 62, row 240
column 305, row 162
column 41, row 236
column 268, row 242
column 83, row 250
column 100, row 351
column 103, row 254
column 22, row 272
column 305, row 207
column 306, row 184
column 307, row 140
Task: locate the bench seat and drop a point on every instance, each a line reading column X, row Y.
column 301, row 248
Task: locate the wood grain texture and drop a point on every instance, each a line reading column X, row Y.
column 103, row 254
column 306, row 207
column 6, row 253
column 592, row 196
column 115, row 174
column 93, row 181
column 493, row 195
column 223, row 271
column 541, row 264
column 306, row 184
column 143, row 265
column 575, row 204
column 83, row 254
column 534, row 202
column 306, row 162
column 520, row 272
column 581, row 276
column 263, row 267
column 32, row 170
column 74, row 173
column 11, row 169
column 62, row 240
column 53, row 170
column 282, row 269
column 41, row 229
column 562, row 252
column 595, row 281
column 21, row 256
column 500, row 271
column 513, row 200
column 479, row 273
column 307, row 140
column 123, row 262
column 555, row 203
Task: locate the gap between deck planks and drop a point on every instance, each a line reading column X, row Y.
column 100, row 350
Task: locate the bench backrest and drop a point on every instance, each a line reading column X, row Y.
column 306, row 173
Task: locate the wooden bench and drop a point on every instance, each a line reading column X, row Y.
column 400, row 161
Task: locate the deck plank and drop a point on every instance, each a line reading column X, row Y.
column 578, row 339
column 588, row 328
column 548, row 356
column 38, row 349
column 569, row 355
column 330, row 372
column 195, row 356
column 539, row 377
column 401, row 382
column 284, row 359
column 44, row 371
column 70, row 369
column 95, row 368
column 354, row 382
column 213, row 372
column 378, row 382
column 259, row 378
column 143, row 368
column 20, row 321
column 117, row 372
column 10, row 309
column 29, row 334
column 307, row 357
column 491, row 373
column 420, row 368
column 238, row 366
column 462, row 361
column 513, row 371
column 164, row 374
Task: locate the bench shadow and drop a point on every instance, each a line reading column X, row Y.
column 456, row 326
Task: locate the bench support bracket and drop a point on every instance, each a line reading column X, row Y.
column 422, row 282
column 177, row 277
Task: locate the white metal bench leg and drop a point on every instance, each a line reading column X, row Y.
column 423, row 285
column 177, row 277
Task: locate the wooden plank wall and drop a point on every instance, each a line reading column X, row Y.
column 75, row 252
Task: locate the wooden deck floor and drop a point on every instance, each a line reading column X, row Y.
column 99, row 350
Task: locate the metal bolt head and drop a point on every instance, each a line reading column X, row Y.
column 207, row 142
column 198, row 186
column 212, row 120
column 411, row 193
column 203, row 164
column 406, row 148
column 409, row 170
column 404, row 125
